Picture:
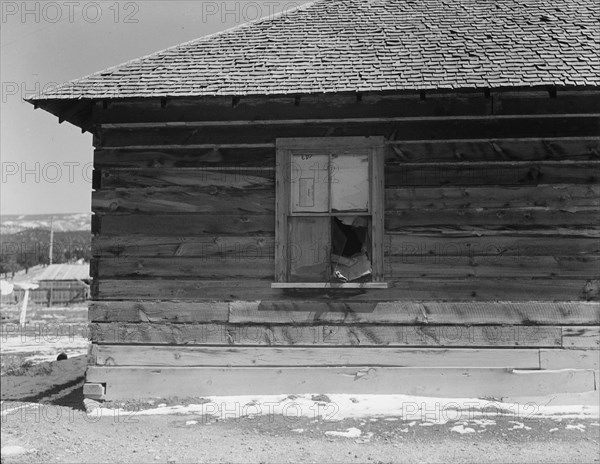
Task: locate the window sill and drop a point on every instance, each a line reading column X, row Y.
column 329, row 285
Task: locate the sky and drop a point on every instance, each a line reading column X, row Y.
column 46, row 167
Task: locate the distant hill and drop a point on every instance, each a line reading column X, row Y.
column 26, row 240
column 13, row 223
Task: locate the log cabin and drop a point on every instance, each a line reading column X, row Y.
column 353, row 196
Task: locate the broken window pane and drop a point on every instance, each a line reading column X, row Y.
column 351, row 248
column 350, row 182
column 309, row 180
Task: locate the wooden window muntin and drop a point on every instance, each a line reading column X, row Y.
column 373, row 147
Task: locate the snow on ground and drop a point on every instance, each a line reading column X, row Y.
column 47, row 333
column 336, row 407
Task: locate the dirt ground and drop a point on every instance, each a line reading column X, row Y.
column 64, row 433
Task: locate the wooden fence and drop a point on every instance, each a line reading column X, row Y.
column 48, row 296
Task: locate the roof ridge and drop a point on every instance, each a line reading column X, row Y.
column 179, row 45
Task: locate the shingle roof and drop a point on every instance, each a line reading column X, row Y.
column 371, row 45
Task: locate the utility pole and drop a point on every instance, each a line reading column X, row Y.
column 51, row 237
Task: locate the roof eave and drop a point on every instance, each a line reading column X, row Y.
column 77, row 112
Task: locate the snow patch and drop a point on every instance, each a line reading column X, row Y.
column 408, row 408
column 462, row 429
column 518, row 426
column 352, row 432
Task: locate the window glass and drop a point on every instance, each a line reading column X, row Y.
column 350, row 182
column 309, row 181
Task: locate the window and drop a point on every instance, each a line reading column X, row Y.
column 329, row 213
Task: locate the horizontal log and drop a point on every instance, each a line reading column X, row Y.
column 537, row 102
column 194, row 224
column 245, row 266
column 280, row 107
column 184, row 200
column 418, row 244
column 315, row 311
column 428, row 244
column 497, row 173
column 569, row 359
column 472, row 289
column 255, row 200
column 553, row 196
column 181, row 356
column 508, row 217
column 223, row 156
column 433, row 266
column 241, row 266
column 347, row 105
column 429, row 313
column 233, row 177
column 578, row 148
column 241, row 247
column 191, row 224
column 257, row 123
column 592, row 231
column 245, row 156
column 581, row 337
column 406, row 129
column 157, row 311
column 144, row 382
column 326, row 335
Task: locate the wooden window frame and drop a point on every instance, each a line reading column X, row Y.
column 285, row 148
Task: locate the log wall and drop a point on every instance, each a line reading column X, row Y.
column 491, row 226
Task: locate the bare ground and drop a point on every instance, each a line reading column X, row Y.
column 62, row 432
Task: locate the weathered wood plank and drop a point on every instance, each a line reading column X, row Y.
column 241, row 266
column 178, row 356
column 191, row 224
column 537, row 102
column 402, row 290
column 580, row 148
column 315, row 311
column 222, row 156
column 587, row 337
column 577, row 149
column 285, row 107
column 246, row 247
column 339, row 335
column 460, row 231
column 556, row 196
column 430, row 312
column 496, row 173
column 139, row 382
column 406, row 129
column 428, row 243
column 158, row 311
column 184, row 200
column 245, row 266
column 437, row 103
column 520, row 217
column 569, row 359
column 436, row 266
column 240, row 177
